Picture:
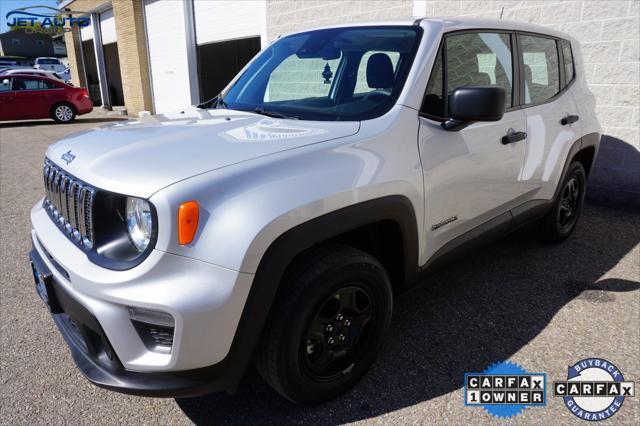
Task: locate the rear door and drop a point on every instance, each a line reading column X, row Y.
column 7, row 98
column 471, row 176
column 31, row 100
column 552, row 115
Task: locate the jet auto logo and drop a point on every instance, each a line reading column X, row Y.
column 51, row 20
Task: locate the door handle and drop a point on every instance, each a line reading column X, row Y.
column 513, row 136
column 569, row 119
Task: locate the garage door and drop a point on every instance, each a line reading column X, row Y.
column 228, row 35
column 86, row 33
column 228, row 20
column 167, row 43
column 108, row 27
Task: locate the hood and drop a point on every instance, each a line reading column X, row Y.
column 140, row 157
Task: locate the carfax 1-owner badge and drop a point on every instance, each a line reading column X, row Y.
column 505, row 389
column 594, row 390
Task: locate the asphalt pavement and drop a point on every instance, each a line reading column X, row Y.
column 541, row 306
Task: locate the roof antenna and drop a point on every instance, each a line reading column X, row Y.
column 501, row 12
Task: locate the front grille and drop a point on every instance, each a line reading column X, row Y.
column 69, row 203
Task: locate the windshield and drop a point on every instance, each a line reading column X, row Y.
column 343, row 74
column 48, row 62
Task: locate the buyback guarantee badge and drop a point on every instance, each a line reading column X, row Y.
column 594, row 390
column 505, row 389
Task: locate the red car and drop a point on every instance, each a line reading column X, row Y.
column 25, row 97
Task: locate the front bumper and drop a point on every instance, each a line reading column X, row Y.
column 95, row 358
column 92, row 314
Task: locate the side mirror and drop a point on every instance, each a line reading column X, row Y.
column 5, row 82
column 474, row 103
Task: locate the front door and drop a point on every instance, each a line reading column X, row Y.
column 471, row 177
column 7, row 97
column 30, row 97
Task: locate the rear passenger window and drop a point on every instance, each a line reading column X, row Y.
column 568, row 60
column 31, row 84
column 472, row 59
column 541, row 68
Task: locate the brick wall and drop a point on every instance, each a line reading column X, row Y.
column 607, row 30
column 285, row 15
column 132, row 52
column 74, row 56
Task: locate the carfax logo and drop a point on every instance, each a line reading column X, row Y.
column 505, row 389
column 594, row 390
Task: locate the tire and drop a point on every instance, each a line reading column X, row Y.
column 335, row 286
column 561, row 220
column 63, row 113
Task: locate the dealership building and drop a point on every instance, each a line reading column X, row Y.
column 162, row 55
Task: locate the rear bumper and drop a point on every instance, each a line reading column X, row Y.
column 84, row 106
column 95, row 357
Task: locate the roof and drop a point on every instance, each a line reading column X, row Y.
column 454, row 23
column 462, row 23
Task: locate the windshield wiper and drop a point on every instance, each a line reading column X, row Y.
column 275, row 114
column 214, row 102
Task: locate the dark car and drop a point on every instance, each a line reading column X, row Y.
column 25, row 97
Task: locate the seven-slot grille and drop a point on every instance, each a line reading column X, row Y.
column 69, row 203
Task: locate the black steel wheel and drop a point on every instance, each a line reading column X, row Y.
column 327, row 325
column 338, row 332
column 569, row 203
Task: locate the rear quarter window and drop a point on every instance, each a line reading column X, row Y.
column 569, row 70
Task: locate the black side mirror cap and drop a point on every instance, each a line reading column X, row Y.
column 470, row 104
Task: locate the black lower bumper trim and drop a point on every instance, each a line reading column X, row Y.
column 96, row 359
column 168, row 385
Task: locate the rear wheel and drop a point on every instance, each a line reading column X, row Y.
column 63, row 113
column 561, row 220
column 328, row 324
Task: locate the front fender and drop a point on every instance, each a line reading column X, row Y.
column 247, row 206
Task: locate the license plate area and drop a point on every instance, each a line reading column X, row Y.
column 44, row 282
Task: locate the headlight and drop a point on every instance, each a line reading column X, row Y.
column 139, row 222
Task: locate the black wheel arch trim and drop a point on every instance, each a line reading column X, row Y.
column 590, row 140
column 285, row 248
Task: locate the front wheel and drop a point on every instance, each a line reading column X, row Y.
column 63, row 113
column 328, row 324
column 561, row 220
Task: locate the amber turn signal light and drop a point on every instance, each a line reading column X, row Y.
column 188, row 214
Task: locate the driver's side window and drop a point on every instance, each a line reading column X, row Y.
column 472, row 59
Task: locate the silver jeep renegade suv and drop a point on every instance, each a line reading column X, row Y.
column 276, row 222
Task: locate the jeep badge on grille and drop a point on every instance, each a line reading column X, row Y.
column 68, row 157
